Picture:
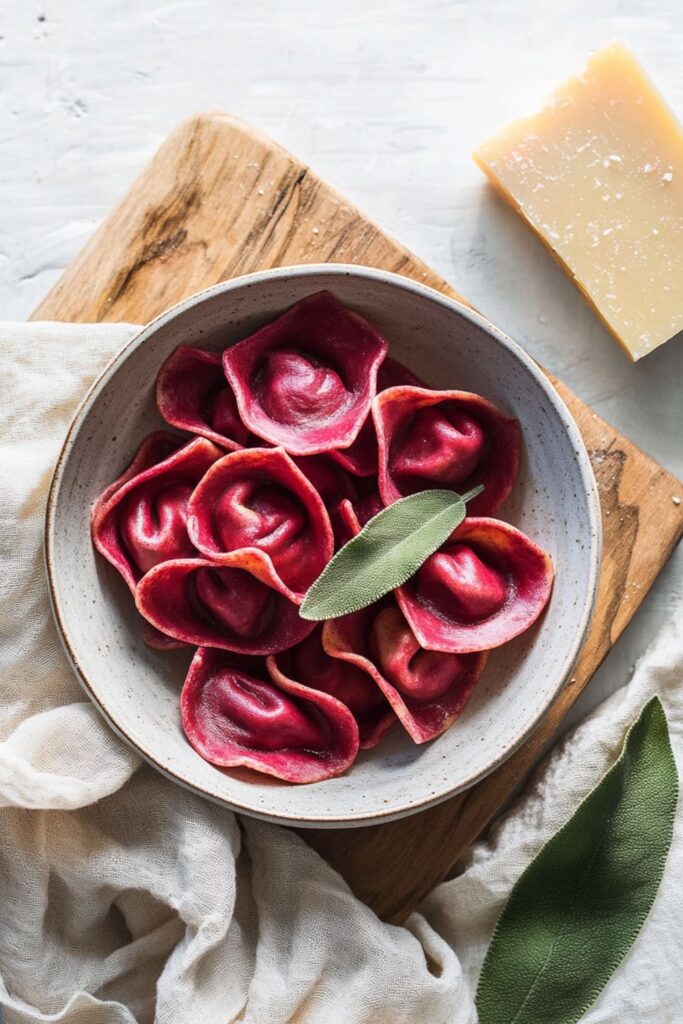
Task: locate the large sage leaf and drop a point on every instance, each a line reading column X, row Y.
column 577, row 909
column 388, row 550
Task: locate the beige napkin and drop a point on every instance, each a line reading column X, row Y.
column 124, row 898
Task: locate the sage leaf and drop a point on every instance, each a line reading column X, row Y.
column 390, row 548
column 577, row 909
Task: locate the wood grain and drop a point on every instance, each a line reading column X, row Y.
column 219, row 200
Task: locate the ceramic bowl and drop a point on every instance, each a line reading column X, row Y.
column 554, row 501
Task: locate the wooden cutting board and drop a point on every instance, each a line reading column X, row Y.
column 219, row 200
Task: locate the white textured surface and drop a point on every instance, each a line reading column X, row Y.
column 386, row 100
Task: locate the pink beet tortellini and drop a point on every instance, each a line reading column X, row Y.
column 451, row 439
column 240, row 605
column 310, row 664
column 428, row 690
column 485, row 586
column 141, row 519
column 360, row 457
column 257, row 500
column 335, row 486
column 193, row 394
column 235, row 715
column 306, row 380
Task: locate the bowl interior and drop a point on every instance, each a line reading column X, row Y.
column 554, row 501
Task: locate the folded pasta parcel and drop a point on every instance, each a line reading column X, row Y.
column 598, row 174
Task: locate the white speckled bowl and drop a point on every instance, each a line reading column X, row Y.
column 554, row 500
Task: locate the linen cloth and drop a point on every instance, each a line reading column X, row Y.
column 124, row 898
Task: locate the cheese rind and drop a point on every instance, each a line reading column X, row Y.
column 598, row 174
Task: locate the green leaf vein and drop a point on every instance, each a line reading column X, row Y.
column 576, row 910
column 386, row 553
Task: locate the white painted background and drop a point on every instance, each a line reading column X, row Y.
column 384, row 98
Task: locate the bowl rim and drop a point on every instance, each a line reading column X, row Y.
column 454, row 306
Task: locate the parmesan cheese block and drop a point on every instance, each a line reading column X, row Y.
column 598, row 174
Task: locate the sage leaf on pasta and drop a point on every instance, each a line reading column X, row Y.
column 390, row 548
